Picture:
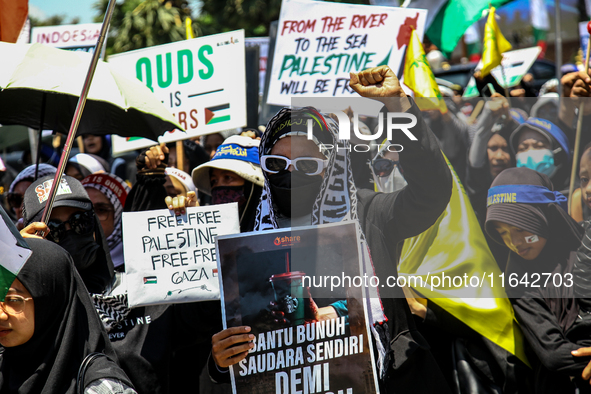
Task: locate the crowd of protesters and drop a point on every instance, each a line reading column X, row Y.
column 519, row 141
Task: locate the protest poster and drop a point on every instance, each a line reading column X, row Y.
column 263, row 44
column 514, row 66
column 172, row 259
column 301, row 354
column 82, row 37
column 201, row 81
column 319, row 43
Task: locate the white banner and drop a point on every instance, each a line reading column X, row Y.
column 171, row 259
column 202, row 81
column 319, row 43
column 72, row 37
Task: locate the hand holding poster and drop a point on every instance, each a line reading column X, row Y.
column 303, row 352
column 171, row 259
column 320, row 43
column 202, row 81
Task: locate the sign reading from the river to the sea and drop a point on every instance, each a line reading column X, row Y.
column 319, row 43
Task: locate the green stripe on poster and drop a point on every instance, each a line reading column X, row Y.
column 219, row 119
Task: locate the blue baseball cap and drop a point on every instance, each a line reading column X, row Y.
column 237, row 154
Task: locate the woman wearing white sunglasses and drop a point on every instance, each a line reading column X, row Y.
column 308, row 183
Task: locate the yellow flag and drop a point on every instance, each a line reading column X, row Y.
column 189, row 28
column 494, row 44
column 419, row 77
column 454, row 250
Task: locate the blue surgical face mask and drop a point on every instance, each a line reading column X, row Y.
column 540, row 160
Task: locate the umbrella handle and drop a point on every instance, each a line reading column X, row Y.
column 78, row 114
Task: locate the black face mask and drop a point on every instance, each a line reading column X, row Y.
column 83, row 248
column 227, row 194
column 286, row 184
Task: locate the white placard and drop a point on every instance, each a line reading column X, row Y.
column 202, row 81
column 172, row 259
column 514, row 66
column 319, row 43
column 81, row 37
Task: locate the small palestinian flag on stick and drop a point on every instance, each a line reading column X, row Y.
column 14, row 251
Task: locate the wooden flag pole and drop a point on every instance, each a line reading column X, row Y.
column 180, row 156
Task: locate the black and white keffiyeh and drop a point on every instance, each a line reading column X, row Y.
column 338, row 186
column 28, row 174
column 112, row 309
column 336, row 202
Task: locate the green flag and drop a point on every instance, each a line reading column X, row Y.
column 454, row 18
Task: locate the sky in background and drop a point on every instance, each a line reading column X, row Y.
column 83, row 8
column 72, row 8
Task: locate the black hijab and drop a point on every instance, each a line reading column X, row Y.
column 547, row 220
column 479, row 180
column 252, row 193
column 67, row 329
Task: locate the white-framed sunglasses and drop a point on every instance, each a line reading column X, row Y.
column 308, row 165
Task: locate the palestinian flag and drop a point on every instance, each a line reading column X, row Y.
column 473, row 45
column 217, row 114
column 540, row 22
column 150, row 280
column 14, row 251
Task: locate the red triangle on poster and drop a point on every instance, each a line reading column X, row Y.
column 208, row 115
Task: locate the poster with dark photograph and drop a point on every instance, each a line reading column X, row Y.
column 308, row 338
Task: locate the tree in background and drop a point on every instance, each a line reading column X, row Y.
column 53, row 20
column 254, row 16
column 144, row 23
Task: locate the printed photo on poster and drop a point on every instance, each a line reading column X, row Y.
column 265, row 281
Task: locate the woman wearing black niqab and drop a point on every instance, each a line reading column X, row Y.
column 527, row 216
column 66, row 330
